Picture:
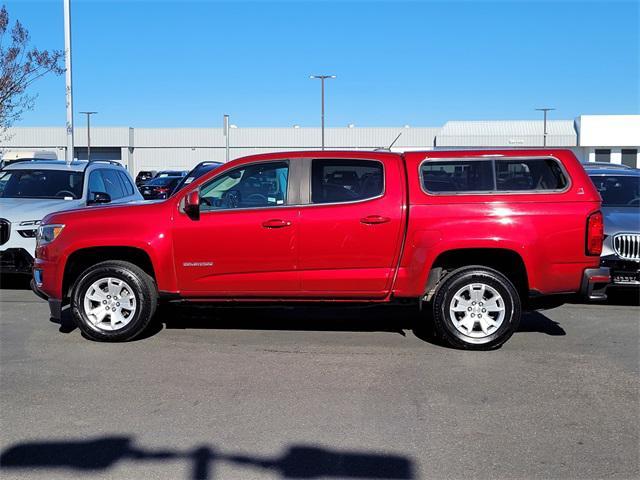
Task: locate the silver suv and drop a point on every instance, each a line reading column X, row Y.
column 620, row 191
column 32, row 189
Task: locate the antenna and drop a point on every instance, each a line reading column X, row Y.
column 389, row 147
column 394, row 141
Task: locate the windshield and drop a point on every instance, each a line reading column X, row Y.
column 618, row 191
column 41, row 184
column 162, row 181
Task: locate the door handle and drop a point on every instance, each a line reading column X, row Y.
column 374, row 220
column 276, row 223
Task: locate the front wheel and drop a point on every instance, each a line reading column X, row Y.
column 476, row 308
column 113, row 301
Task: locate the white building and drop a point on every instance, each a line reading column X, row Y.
column 609, row 138
column 614, row 138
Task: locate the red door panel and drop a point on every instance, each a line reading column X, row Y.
column 350, row 249
column 237, row 253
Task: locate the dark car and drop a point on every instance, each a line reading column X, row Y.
column 197, row 171
column 170, row 173
column 620, row 192
column 159, row 187
column 144, row 176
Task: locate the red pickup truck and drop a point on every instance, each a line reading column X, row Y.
column 470, row 236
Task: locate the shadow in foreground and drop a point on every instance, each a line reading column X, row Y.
column 298, row 461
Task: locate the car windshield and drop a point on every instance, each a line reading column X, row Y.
column 618, row 190
column 41, row 184
column 162, row 181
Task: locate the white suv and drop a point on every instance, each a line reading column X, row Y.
column 32, row 189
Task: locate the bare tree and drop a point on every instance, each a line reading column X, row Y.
column 20, row 66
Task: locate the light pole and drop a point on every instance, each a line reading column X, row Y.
column 68, row 80
column 322, row 78
column 544, row 110
column 225, row 132
column 88, row 114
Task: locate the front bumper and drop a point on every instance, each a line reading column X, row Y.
column 595, row 282
column 15, row 260
column 55, row 306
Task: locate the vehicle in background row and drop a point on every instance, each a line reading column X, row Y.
column 144, row 176
column 620, row 192
column 171, row 173
column 197, row 171
column 159, row 187
column 606, row 166
column 16, row 155
column 470, row 236
column 30, row 190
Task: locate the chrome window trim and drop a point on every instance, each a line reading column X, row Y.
column 493, row 161
column 308, row 172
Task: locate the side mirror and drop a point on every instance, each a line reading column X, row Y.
column 98, row 198
column 192, row 204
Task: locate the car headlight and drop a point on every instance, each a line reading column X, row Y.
column 48, row 233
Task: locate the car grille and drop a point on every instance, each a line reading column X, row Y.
column 627, row 245
column 5, row 229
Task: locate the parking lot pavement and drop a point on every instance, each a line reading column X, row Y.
column 333, row 392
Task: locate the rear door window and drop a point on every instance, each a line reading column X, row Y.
column 128, row 187
column 112, row 184
column 335, row 181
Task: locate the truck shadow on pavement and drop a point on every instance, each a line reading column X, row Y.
column 384, row 319
column 321, row 318
column 298, row 461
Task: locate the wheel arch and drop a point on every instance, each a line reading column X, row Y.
column 504, row 260
column 81, row 259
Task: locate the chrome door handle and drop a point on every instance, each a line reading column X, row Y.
column 374, row 220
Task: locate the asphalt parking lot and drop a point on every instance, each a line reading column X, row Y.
column 331, row 392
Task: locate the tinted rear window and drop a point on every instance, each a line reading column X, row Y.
column 334, row 181
column 535, row 174
column 495, row 175
column 458, row 176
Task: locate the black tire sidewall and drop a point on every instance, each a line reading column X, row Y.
column 144, row 301
column 458, row 280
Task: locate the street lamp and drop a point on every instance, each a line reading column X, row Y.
column 88, row 114
column 545, row 110
column 68, row 80
column 322, row 78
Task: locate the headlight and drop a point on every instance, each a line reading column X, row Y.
column 48, row 233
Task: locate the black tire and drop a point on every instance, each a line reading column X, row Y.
column 455, row 282
column 143, row 289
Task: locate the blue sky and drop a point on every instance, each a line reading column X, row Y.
column 185, row 63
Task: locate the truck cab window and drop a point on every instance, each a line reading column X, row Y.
column 335, row 181
column 258, row 185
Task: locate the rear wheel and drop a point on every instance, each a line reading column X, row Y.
column 476, row 308
column 113, row 301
